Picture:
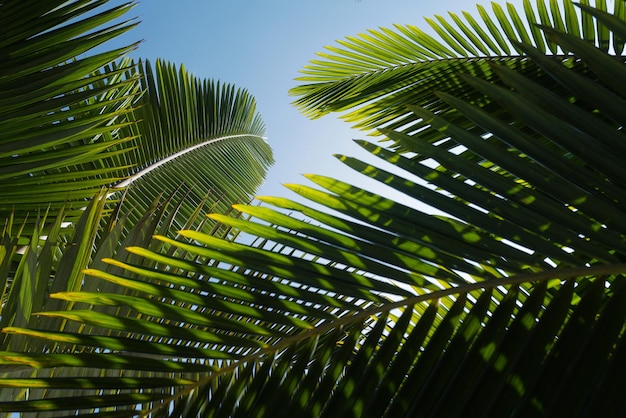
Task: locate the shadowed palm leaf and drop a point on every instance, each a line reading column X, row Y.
column 60, row 115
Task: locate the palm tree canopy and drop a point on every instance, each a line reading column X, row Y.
column 373, row 307
column 83, row 124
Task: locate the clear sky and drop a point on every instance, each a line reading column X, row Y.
column 261, row 45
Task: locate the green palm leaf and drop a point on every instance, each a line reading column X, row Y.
column 200, row 138
column 59, row 115
column 373, row 77
column 73, row 126
column 84, row 124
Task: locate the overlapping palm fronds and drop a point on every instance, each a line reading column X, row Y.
column 60, row 111
column 512, row 305
column 75, row 124
column 72, row 124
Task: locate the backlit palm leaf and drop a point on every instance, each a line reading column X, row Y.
column 372, row 77
column 198, row 137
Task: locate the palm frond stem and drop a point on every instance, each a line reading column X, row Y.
column 156, row 165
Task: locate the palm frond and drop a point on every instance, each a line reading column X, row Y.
column 72, row 126
column 59, row 115
column 372, row 77
column 197, row 137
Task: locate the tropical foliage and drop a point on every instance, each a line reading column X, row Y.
column 207, row 133
column 77, row 124
column 510, row 305
column 60, row 114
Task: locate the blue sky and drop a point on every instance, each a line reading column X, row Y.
column 261, row 46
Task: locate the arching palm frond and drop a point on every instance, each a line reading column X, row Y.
column 372, row 77
column 74, row 125
column 199, row 137
column 60, row 112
